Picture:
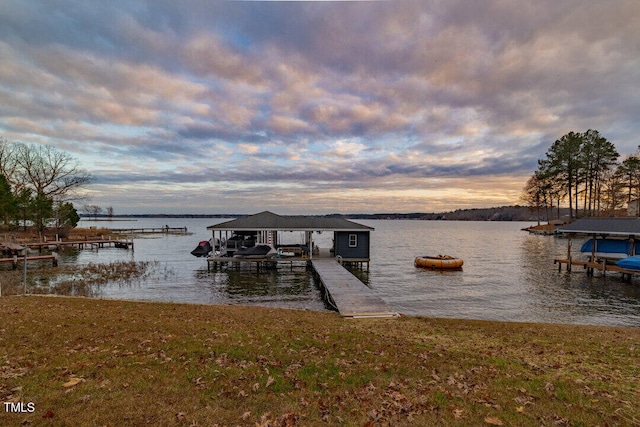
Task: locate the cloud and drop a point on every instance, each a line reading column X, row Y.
column 387, row 103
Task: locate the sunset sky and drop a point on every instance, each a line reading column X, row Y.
column 315, row 107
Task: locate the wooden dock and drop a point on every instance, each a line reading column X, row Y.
column 82, row 244
column 55, row 245
column 152, row 230
column 350, row 296
column 591, row 266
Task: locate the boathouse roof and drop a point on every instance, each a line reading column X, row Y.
column 609, row 226
column 270, row 221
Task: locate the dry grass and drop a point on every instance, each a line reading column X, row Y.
column 84, row 280
column 89, row 362
column 31, row 235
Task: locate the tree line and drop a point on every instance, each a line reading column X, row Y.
column 583, row 170
column 37, row 185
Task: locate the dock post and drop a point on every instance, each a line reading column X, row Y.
column 569, row 254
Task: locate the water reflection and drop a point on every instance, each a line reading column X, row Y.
column 283, row 286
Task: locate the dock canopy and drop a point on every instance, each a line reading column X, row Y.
column 268, row 221
column 351, row 241
column 623, row 227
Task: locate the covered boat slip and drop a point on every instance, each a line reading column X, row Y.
column 350, row 243
column 613, row 245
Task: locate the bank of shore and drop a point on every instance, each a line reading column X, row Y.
column 76, row 361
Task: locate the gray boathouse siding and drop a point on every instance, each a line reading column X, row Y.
column 345, row 250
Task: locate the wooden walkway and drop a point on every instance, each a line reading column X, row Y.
column 56, row 245
column 153, row 230
column 350, row 296
column 591, row 266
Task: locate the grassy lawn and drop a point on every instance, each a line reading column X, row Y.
column 84, row 362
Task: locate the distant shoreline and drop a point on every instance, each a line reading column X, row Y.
column 503, row 213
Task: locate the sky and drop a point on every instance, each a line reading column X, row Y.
column 217, row 107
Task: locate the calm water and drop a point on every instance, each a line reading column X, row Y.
column 508, row 274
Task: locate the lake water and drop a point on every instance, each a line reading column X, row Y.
column 508, row 274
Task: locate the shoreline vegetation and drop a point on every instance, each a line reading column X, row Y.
column 78, row 361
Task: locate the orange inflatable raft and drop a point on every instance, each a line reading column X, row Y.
column 444, row 262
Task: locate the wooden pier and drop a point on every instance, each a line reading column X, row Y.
column 152, row 230
column 591, row 266
column 82, row 244
column 350, row 296
column 56, row 245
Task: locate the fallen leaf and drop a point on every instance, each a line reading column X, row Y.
column 48, row 414
column 288, row 420
column 72, row 381
column 493, row 421
column 264, row 420
column 270, row 381
column 520, row 409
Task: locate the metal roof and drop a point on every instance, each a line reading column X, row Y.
column 270, row 221
column 612, row 226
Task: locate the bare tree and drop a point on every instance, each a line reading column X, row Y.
column 8, row 164
column 92, row 210
column 44, row 175
column 47, row 171
column 533, row 195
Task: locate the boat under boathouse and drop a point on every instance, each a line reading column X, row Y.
column 613, row 244
column 351, row 241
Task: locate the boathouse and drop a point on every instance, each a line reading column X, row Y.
column 351, row 241
column 351, row 244
column 611, row 239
